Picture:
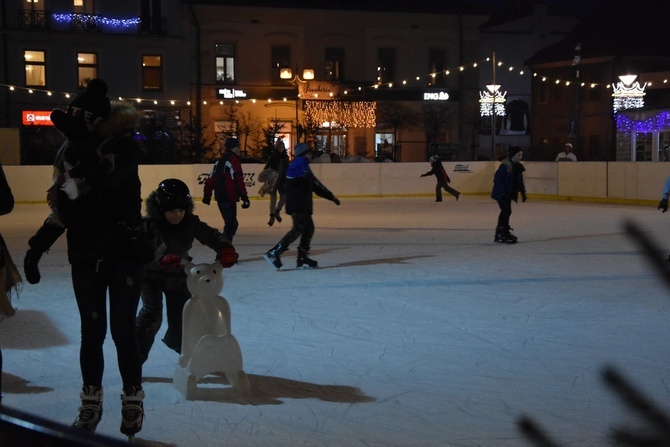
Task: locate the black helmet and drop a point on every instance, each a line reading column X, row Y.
column 173, row 194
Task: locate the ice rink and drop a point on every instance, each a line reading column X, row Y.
column 416, row 330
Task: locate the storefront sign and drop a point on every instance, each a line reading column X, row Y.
column 318, row 90
column 231, row 93
column 37, row 118
column 435, row 96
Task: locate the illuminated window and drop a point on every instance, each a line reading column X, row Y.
column 385, row 65
column 152, row 72
column 334, row 64
column 225, row 64
column 83, row 6
column 87, row 68
column 35, row 68
column 280, row 57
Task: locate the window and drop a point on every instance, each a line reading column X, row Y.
column 225, row 64
column 35, row 68
column 437, row 64
column 87, row 68
column 385, row 65
column 334, row 64
column 281, row 58
column 151, row 16
column 152, row 72
column 83, row 6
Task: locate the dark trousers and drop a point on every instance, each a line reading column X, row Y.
column 505, row 213
column 150, row 317
column 229, row 213
column 303, row 228
column 449, row 189
column 274, row 205
column 91, row 281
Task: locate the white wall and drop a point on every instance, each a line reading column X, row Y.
column 633, row 182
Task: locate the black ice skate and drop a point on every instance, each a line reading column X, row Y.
column 90, row 411
column 132, row 410
column 503, row 236
column 273, row 256
column 278, row 216
column 272, row 220
column 304, row 262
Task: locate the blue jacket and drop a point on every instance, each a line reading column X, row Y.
column 508, row 181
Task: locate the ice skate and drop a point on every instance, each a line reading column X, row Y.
column 305, row 262
column 132, row 410
column 272, row 220
column 90, row 411
column 273, row 256
column 278, row 216
column 503, row 236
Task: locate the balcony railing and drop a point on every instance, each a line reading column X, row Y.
column 86, row 22
column 29, row 18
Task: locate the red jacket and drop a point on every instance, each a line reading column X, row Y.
column 226, row 180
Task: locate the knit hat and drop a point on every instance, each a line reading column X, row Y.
column 232, row 143
column 513, row 150
column 89, row 107
column 568, row 145
column 301, row 149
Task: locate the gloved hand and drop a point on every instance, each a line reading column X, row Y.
column 207, row 200
column 228, row 257
column 523, row 197
column 169, row 262
column 336, row 201
column 245, row 202
column 663, row 205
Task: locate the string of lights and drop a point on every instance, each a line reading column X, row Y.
column 346, row 92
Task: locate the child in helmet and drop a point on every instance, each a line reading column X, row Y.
column 170, row 212
column 442, row 179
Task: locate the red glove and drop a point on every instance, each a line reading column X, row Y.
column 169, row 262
column 228, row 257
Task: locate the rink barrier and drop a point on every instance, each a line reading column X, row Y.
column 605, row 182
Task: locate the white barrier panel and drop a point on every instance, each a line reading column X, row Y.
column 619, row 181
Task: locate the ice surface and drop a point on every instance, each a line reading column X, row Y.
column 416, row 330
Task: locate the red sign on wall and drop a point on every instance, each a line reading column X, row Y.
column 37, row 118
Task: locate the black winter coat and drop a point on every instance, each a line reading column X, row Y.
column 178, row 239
column 301, row 184
column 104, row 200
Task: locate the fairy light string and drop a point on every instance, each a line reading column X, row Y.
column 348, row 93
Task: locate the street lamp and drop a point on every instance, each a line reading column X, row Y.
column 296, row 80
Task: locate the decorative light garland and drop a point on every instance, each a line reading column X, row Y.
column 626, row 124
column 346, row 91
column 115, row 23
column 355, row 114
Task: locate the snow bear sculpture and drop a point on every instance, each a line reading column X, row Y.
column 208, row 346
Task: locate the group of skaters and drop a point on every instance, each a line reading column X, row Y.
column 95, row 199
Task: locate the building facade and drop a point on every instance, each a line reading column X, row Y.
column 385, row 84
column 580, row 97
column 51, row 48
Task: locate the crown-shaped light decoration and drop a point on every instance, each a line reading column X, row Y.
column 492, row 101
column 628, row 94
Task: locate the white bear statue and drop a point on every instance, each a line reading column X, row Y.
column 208, row 346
